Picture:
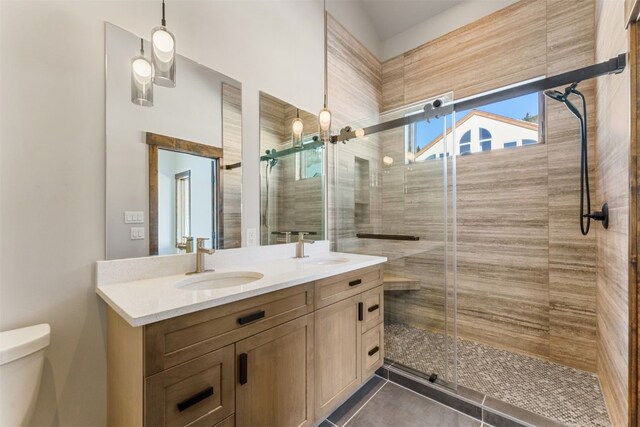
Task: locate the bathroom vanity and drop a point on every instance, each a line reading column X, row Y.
column 282, row 350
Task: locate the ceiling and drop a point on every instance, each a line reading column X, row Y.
column 392, row 17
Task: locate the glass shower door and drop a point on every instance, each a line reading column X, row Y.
column 395, row 197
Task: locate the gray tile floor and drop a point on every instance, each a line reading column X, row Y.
column 385, row 403
column 570, row 396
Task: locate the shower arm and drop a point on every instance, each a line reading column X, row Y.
column 612, row 66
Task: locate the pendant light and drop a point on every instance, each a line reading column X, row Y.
column 141, row 79
column 163, row 54
column 297, row 127
column 324, row 117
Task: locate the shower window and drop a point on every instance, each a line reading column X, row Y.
column 511, row 123
column 309, row 164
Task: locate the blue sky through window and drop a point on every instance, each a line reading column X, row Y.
column 515, row 108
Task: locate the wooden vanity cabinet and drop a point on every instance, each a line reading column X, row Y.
column 275, row 376
column 348, row 335
column 285, row 359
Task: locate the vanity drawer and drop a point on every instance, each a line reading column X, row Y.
column 227, row 422
column 177, row 340
column 200, row 391
column 337, row 288
column 373, row 312
column 372, row 350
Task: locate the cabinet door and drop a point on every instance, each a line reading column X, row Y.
column 337, row 353
column 199, row 392
column 274, row 384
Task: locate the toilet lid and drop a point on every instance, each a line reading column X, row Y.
column 21, row 342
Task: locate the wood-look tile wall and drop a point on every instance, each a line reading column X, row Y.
column 355, row 93
column 526, row 276
column 231, row 178
column 612, row 161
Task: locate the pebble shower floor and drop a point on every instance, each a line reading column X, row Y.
column 570, row 396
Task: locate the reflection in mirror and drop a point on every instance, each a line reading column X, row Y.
column 291, row 174
column 173, row 169
column 184, row 194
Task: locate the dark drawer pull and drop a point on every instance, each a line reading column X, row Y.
column 374, row 350
column 373, row 308
column 185, row 404
column 251, row 317
column 355, row 282
column 242, row 368
column 360, row 311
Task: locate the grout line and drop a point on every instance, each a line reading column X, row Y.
column 329, row 421
column 365, row 404
column 483, row 399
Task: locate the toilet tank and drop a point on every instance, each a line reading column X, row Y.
column 21, row 361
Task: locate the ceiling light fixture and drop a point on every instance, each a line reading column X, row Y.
column 141, row 79
column 163, row 54
column 297, row 126
column 324, row 118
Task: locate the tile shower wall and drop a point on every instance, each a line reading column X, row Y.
column 231, row 178
column 612, row 154
column 526, row 277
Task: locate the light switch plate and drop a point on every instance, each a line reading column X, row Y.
column 133, row 217
column 251, row 237
column 137, row 233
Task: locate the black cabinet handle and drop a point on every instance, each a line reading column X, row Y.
column 355, row 282
column 373, row 308
column 251, row 317
column 242, row 368
column 185, row 404
column 374, row 350
column 360, row 311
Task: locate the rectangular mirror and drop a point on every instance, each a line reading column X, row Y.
column 292, row 176
column 173, row 169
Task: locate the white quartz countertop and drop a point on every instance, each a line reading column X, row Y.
column 150, row 300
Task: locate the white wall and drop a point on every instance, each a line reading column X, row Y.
column 52, row 155
column 353, row 17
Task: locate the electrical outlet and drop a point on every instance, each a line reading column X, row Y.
column 137, row 233
column 251, row 237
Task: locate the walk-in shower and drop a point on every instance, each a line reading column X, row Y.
column 459, row 196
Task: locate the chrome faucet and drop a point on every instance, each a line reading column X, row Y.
column 300, row 245
column 187, row 245
column 200, row 252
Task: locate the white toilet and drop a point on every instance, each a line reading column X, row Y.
column 21, row 360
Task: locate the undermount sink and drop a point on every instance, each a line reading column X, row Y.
column 323, row 261
column 213, row 280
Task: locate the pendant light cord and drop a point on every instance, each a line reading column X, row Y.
column 164, row 22
column 141, row 46
column 326, row 72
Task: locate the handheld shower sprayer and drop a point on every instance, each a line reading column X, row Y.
column 584, row 160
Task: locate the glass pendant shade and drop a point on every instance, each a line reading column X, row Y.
column 141, row 81
column 324, row 120
column 163, row 56
column 296, row 132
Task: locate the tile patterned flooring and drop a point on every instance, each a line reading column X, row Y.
column 570, row 396
column 384, row 403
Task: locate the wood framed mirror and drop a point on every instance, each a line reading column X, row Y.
column 195, row 210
